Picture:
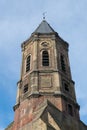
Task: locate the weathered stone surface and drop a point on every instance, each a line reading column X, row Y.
column 48, row 117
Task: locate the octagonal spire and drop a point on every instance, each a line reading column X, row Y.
column 44, row 28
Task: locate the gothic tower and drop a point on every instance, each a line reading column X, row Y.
column 46, row 97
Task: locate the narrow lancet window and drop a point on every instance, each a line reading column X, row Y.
column 25, row 88
column 45, row 58
column 66, row 87
column 63, row 67
column 70, row 110
column 28, row 63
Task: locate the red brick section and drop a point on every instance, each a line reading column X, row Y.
column 24, row 114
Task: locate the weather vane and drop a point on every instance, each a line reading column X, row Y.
column 44, row 15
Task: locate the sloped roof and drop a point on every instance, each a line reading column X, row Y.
column 9, row 127
column 61, row 120
column 44, row 27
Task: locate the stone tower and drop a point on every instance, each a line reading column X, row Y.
column 46, row 97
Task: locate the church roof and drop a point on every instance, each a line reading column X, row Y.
column 44, row 28
column 56, row 119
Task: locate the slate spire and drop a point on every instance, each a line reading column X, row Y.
column 44, row 28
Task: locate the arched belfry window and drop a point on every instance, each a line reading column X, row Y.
column 45, row 58
column 28, row 63
column 63, row 67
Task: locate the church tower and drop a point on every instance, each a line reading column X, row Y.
column 46, row 97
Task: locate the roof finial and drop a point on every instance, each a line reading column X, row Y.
column 44, row 15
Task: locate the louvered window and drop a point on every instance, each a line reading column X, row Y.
column 70, row 110
column 63, row 67
column 28, row 63
column 66, row 87
column 25, row 88
column 45, row 58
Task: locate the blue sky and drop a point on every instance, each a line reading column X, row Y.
column 18, row 19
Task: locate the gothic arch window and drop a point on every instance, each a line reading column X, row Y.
column 28, row 60
column 63, row 66
column 45, row 58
